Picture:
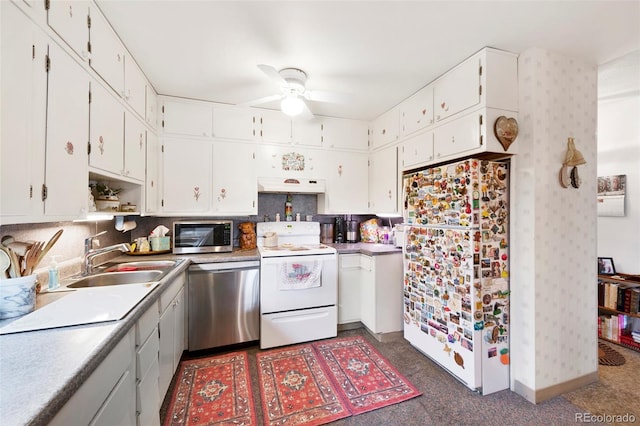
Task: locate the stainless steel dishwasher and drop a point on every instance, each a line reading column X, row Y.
column 224, row 304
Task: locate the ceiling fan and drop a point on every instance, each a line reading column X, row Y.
column 292, row 82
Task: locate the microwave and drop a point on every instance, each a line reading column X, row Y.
column 202, row 236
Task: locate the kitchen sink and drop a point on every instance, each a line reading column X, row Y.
column 140, row 266
column 118, row 278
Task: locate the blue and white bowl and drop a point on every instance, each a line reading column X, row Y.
column 17, row 296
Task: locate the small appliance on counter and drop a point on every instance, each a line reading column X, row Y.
column 339, row 231
column 326, row 233
column 352, row 231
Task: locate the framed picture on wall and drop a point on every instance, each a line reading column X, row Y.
column 606, row 266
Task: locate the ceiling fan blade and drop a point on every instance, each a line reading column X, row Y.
column 273, row 74
column 324, row 96
column 306, row 113
column 262, row 100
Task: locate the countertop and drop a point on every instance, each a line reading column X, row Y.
column 41, row 370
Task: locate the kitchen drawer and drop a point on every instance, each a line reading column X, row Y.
column 147, row 354
column 145, row 325
column 169, row 294
column 148, row 397
column 349, row 261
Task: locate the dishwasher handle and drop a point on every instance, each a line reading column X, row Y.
column 224, row 266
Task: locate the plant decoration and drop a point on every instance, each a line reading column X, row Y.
column 105, row 192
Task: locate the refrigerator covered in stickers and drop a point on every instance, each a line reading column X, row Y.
column 456, row 269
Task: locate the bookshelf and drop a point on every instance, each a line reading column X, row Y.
column 619, row 309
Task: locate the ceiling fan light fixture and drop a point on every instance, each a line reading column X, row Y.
column 292, row 105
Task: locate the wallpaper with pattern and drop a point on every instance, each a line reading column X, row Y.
column 553, row 281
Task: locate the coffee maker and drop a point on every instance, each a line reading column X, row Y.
column 339, row 230
column 352, row 231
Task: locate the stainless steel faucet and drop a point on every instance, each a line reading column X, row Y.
column 90, row 252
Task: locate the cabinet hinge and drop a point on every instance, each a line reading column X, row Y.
column 89, row 95
column 30, row 191
column 162, row 205
column 481, row 140
column 44, row 192
column 89, row 148
column 480, row 119
column 47, row 63
column 163, row 109
column 162, row 149
column 33, row 51
column 163, row 121
column 89, row 46
column 47, row 4
column 89, row 21
column 480, row 70
column 480, row 90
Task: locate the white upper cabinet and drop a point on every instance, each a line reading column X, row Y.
column 135, row 147
column 307, row 132
column 341, row 133
column 151, row 116
column 186, row 176
column 231, row 122
column 346, row 175
column 152, row 187
column 456, row 137
column 274, row 126
column 135, row 85
column 66, row 177
column 234, row 182
column 70, row 20
column 23, row 87
column 383, row 177
column 288, row 162
column 386, row 128
column 416, row 151
column 106, row 131
column 107, row 52
column 417, row 112
column 186, row 117
column 458, row 89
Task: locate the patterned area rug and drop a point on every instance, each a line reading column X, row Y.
column 365, row 377
column 295, row 389
column 213, row 391
column 609, row 356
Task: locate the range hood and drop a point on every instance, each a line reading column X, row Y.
column 291, row 185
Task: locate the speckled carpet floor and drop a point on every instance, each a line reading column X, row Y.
column 446, row 401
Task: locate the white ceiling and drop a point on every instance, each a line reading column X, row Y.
column 380, row 52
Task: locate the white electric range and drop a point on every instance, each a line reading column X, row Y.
column 298, row 284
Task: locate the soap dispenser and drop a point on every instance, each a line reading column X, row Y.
column 54, row 273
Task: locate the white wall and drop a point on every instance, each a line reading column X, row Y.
column 619, row 154
column 553, row 263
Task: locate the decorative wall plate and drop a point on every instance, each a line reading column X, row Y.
column 506, row 130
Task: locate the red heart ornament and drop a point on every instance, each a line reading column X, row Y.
column 506, row 130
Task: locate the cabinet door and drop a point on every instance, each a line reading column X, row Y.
column 24, row 88
column 69, row 18
column 230, row 122
column 179, row 325
column 349, row 288
column 368, row 293
column 288, row 162
column 234, row 182
column 152, row 175
column 148, row 397
column 166, row 351
column 458, row 89
column 275, row 126
column 191, row 118
column 186, row 178
column 135, row 85
column 107, row 52
column 343, row 133
column 135, row 143
column 416, row 151
column 457, row 137
column 346, row 174
column 106, row 135
column 383, row 181
column 120, row 407
column 417, row 112
column 307, row 132
column 67, row 134
column 385, row 129
column 151, row 116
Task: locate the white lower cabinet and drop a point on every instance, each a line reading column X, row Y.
column 171, row 329
column 381, row 293
column 108, row 396
column 147, row 368
column 349, row 287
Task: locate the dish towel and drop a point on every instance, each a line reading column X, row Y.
column 300, row 275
